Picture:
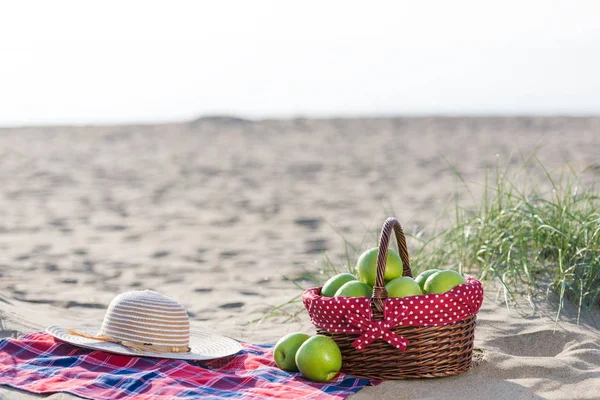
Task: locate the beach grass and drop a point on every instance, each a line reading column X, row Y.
column 534, row 236
column 526, row 236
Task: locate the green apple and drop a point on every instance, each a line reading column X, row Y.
column 319, row 359
column 335, row 282
column 367, row 266
column 423, row 277
column 402, row 287
column 442, row 281
column 354, row 289
column 285, row 350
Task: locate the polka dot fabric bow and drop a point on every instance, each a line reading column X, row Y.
column 353, row 315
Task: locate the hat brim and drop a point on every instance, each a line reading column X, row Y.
column 203, row 346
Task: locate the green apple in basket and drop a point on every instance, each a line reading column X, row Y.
column 442, row 281
column 367, row 266
column 319, row 359
column 422, row 277
column 286, row 348
column 335, row 282
column 354, row 289
column 402, row 287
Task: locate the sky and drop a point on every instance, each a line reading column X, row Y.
column 75, row 62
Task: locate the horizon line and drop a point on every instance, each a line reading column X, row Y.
column 240, row 118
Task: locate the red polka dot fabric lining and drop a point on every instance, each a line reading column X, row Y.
column 353, row 315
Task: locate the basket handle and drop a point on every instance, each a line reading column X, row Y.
column 390, row 224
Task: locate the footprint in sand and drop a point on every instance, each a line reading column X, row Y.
column 312, row 224
column 111, row 228
column 229, row 254
column 197, row 260
column 51, row 267
column 543, row 343
column 72, row 303
column 42, row 248
column 59, row 303
column 160, row 254
column 249, row 293
column 593, row 168
column 238, row 304
column 316, row 246
column 133, row 238
column 175, row 280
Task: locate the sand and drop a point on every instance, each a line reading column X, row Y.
column 221, row 213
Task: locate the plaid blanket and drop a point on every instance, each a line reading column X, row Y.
column 39, row 364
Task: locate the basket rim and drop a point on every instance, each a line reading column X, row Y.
column 313, row 294
column 357, row 315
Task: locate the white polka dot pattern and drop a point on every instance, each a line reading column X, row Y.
column 353, row 315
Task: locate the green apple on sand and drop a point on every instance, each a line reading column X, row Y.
column 442, row 281
column 403, row 287
column 354, row 289
column 285, row 350
column 335, row 282
column 423, row 277
column 367, row 266
column 319, row 359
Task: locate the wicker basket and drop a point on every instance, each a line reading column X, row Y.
column 434, row 349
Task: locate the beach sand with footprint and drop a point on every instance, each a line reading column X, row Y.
column 221, row 213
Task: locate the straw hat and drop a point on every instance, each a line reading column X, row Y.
column 145, row 323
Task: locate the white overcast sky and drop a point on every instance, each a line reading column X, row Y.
column 141, row 61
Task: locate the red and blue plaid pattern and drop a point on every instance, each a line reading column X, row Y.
column 39, row 364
